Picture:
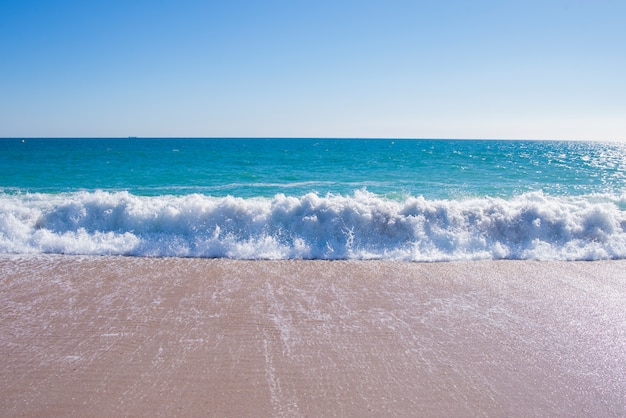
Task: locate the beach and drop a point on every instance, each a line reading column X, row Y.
column 138, row 336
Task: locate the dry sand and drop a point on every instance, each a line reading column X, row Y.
column 115, row 336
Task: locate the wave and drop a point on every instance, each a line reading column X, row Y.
column 357, row 226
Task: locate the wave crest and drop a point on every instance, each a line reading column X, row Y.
column 359, row 226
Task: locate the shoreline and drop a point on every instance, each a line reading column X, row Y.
column 114, row 335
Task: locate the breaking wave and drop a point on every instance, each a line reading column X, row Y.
column 358, row 226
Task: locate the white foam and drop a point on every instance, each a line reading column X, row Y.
column 360, row 226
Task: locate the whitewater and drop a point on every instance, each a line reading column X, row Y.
column 412, row 200
column 359, row 226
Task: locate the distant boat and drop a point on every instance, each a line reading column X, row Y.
column 132, row 137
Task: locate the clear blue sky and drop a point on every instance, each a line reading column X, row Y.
column 546, row 69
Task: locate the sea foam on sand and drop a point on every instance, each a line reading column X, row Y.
column 112, row 336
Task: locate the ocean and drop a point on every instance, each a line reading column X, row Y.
column 280, row 198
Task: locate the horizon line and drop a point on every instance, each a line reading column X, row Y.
column 400, row 138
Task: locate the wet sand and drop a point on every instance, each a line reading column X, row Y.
column 116, row 336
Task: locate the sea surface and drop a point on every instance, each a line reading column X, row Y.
column 416, row 200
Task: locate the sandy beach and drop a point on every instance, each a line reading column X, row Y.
column 123, row 336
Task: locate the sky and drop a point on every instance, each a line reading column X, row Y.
column 517, row 69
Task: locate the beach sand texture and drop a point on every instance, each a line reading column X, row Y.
column 124, row 336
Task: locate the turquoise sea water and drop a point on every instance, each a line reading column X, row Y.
column 314, row 198
column 263, row 167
